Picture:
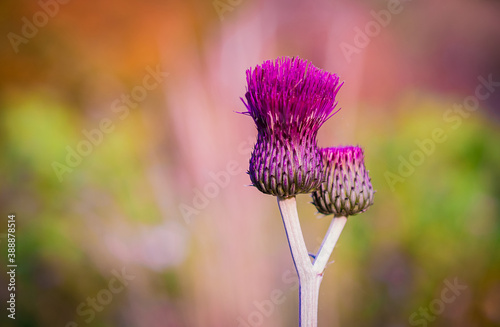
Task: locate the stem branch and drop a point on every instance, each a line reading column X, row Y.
column 310, row 275
column 331, row 238
column 300, row 256
column 309, row 281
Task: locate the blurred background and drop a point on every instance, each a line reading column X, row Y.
column 124, row 161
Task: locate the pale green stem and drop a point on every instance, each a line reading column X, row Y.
column 331, row 238
column 310, row 275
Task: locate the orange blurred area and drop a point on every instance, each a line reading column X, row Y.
column 124, row 161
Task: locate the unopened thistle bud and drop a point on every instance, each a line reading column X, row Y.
column 289, row 100
column 346, row 189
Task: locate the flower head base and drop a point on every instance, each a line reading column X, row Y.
column 289, row 100
column 347, row 188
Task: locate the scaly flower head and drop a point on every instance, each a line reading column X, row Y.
column 346, row 189
column 289, row 99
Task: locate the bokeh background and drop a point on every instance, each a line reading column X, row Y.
column 158, row 192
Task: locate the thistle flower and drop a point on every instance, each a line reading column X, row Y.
column 289, row 99
column 346, row 189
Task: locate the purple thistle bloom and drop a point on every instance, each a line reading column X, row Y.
column 289, row 99
column 346, row 189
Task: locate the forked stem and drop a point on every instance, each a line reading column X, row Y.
column 310, row 275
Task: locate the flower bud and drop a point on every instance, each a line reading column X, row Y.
column 346, row 189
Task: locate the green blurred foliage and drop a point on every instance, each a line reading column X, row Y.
column 441, row 222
